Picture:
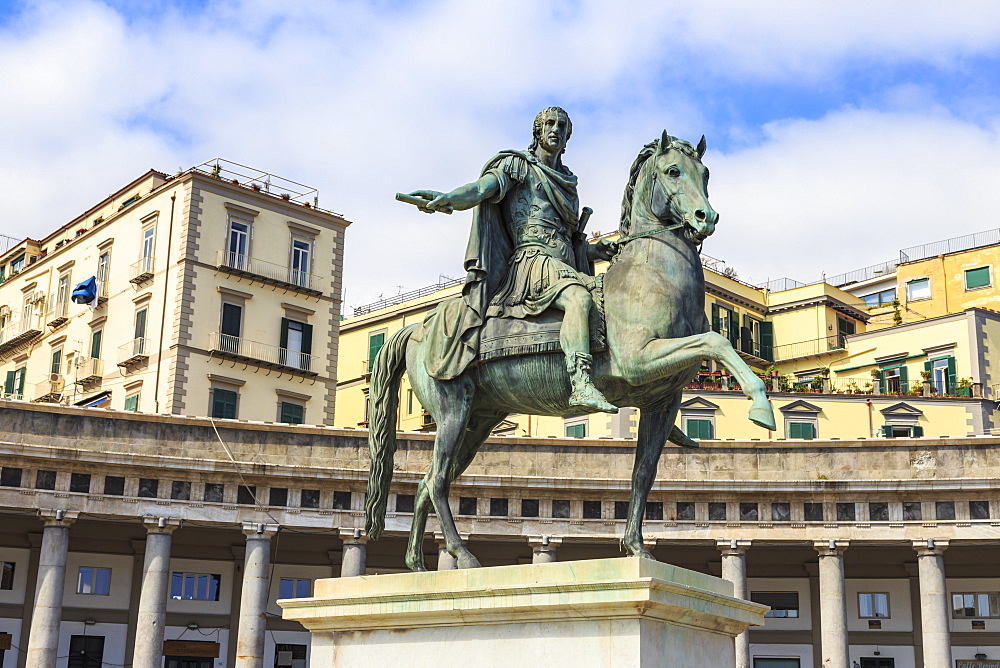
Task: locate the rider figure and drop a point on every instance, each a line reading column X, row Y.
column 536, row 197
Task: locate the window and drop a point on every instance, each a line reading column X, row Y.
column 805, row 430
column 748, row 512
column 93, row 580
column 140, row 330
column 945, row 510
column 942, row 374
column 148, row 238
column 95, row 343
column 224, row 403
column 784, row 604
column 14, row 385
column 878, row 511
column 289, row 656
column 977, row 278
column 685, row 510
column 375, row 343
column 149, row 487
column 7, row 575
column 781, row 512
column 813, row 512
column 231, row 327
column 725, row 323
column 467, row 505
column 299, row 270
column 893, row 380
column 277, row 496
column 238, row 245
column 409, row 402
column 132, row 402
column 10, row 476
column 86, row 652
column 654, row 510
column 195, row 586
column 292, row 413
column 976, row 605
column 845, row 328
column 902, row 430
column 405, row 503
column 498, row 508
column 45, row 480
column 621, row 510
column 62, row 292
column 341, row 500
column 309, row 498
column 79, row 482
column 114, row 485
column 777, row 662
column 246, row 495
column 103, row 265
column 873, row 605
column 591, row 510
column 578, row 430
column 529, row 507
column 911, row 510
column 214, row 492
column 882, row 298
column 295, row 588
column 55, row 365
column 17, row 264
column 846, row 512
column 560, row 508
column 979, row 510
column 180, row 490
column 296, row 344
column 698, row 428
column 717, row 512
column 918, row 289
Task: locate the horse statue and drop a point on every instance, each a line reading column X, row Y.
column 657, row 336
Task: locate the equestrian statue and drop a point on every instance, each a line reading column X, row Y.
column 535, row 332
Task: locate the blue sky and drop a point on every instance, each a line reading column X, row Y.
column 837, row 133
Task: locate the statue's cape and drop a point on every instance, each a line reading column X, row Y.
column 451, row 331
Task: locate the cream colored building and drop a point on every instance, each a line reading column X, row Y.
column 218, row 293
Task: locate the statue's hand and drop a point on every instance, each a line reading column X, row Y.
column 604, row 249
column 436, row 201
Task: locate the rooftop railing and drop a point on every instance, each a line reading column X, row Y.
column 953, row 245
column 271, row 271
column 407, row 296
column 228, row 344
column 789, row 351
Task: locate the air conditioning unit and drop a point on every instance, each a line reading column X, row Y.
column 37, row 297
column 54, row 378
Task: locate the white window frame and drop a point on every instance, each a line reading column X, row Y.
column 992, row 603
column 909, row 289
column 873, row 606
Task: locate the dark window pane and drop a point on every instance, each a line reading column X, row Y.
column 180, row 490
column 224, row 403
column 621, row 510
column 114, row 485
column 148, row 487
column 591, row 510
column 781, row 512
column 79, row 482
column 278, row 496
column 404, row 503
column 979, row 510
column 685, row 510
column 911, row 510
column 309, row 498
column 498, row 507
column 529, row 507
column 813, row 512
column 878, row 512
column 748, row 512
column 846, row 512
column 716, row 511
column 560, row 509
column 10, row 476
column 214, row 492
column 245, row 495
column 783, row 603
column 341, row 500
column 45, row 480
column 467, row 505
column 945, row 510
column 654, row 510
column 7, row 575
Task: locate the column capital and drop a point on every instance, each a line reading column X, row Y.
column 57, row 518
column 544, row 542
column 352, row 536
column 832, row 547
column 259, row 530
column 166, row 525
column 930, row 546
column 732, row 547
column 439, row 537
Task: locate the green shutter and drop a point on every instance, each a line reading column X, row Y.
column 881, row 381
column 95, row 344
column 132, row 402
column 283, row 342
column 767, row 340
column 716, row 321
column 21, row 373
column 952, row 376
column 887, row 431
column 734, row 329
column 805, row 430
column 140, row 324
column 232, row 317
column 904, row 386
column 698, row 428
column 56, row 366
column 307, row 338
column 292, row 413
column 224, row 404
column 918, row 430
column 576, row 430
column 977, row 278
column 375, row 343
column 8, row 386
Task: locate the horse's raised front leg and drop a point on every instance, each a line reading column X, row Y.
column 654, row 426
column 659, row 358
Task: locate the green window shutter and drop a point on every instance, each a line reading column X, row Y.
column 375, row 343
column 8, row 386
column 716, row 321
column 801, row 430
column 952, row 375
column 887, row 431
column 918, row 430
column 224, row 404
column 283, row 342
column 292, row 413
column 140, row 324
column 734, row 329
column 21, row 373
column 977, row 278
column 699, row 428
column 232, row 318
column 903, row 384
column 881, row 381
column 767, row 340
column 132, row 403
column 95, row 344
column 576, row 430
column 307, row 338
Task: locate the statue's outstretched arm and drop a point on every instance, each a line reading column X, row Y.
column 462, row 197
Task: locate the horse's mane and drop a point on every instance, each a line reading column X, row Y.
column 633, row 174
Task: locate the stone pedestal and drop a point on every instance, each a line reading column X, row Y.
column 625, row 612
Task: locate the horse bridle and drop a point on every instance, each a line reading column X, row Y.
column 667, row 228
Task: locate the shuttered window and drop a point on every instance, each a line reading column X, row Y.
column 292, row 413
column 224, row 403
column 977, row 278
column 576, row 430
column 132, row 402
column 375, row 343
column 696, row 428
column 801, row 430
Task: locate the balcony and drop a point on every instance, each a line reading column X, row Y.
column 18, row 331
column 134, row 352
column 50, row 391
column 102, row 292
column 90, row 371
column 811, row 348
column 262, row 354
column 270, row 273
column 141, row 271
column 58, row 312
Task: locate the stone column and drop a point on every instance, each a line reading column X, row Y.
column 734, row 569
column 933, row 603
column 543, row 549
column 355, row 555
column 833, row 602
column 43, row 640
column 253, row 601
column 152, row 616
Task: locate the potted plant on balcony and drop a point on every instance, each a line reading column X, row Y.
column 286, row 196
column 925, row 374
column 255, row 187
column 964, row 387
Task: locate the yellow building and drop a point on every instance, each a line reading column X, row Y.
column 216, row 293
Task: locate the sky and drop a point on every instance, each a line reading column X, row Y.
column 837, row 132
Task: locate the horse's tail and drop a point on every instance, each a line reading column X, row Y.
column 388, row 368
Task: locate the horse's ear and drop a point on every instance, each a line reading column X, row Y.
column 664, row 142
column 702, row 145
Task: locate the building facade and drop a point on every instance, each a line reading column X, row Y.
column 201, row 282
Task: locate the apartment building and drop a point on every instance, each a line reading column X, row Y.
column 213, row 292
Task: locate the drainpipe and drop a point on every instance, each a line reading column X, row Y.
column 871, row 428
column 163, row 312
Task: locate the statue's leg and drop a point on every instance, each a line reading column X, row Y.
column 659, row 358
column 574, row 338
column 654, row 426
column 415, row 545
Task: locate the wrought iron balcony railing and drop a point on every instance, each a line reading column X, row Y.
column 269, row 272
column 17, row 331
column 141, row 271
column 90, row 370
column 58, row 312
column 134, row 352
column 263, row 353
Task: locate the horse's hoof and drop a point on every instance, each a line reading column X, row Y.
column 468, row 562
column 416, row 565
column 640, row 552
column 763, row 416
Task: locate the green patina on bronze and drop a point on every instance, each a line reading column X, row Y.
column 527, row 260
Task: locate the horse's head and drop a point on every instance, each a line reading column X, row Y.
column 670, row 186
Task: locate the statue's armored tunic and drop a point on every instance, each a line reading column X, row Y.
column 538, row 207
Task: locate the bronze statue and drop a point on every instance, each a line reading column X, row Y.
column 656, row 332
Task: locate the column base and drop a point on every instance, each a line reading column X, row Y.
column 622, row 612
